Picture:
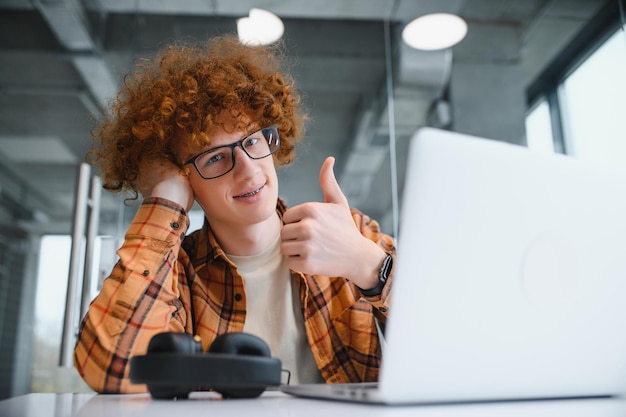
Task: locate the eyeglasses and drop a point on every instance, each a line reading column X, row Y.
column 221, row 160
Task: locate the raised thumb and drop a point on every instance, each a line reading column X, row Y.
column 330, row 188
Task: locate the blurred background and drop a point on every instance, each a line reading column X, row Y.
column 547, row 74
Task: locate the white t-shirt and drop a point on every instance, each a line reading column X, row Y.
column 273, row 311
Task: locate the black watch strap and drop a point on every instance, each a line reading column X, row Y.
column 383, row 274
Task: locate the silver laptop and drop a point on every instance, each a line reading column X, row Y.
column 510, row 279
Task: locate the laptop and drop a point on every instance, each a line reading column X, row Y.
column 509, row 282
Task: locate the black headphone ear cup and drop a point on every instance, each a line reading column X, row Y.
column 240, row 344
column 172, row 342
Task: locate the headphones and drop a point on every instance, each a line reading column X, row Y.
column 237, row 365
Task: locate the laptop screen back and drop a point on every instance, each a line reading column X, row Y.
column 510, row 279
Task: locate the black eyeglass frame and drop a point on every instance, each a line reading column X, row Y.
column 232, row 147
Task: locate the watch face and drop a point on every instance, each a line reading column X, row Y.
column 385, row 269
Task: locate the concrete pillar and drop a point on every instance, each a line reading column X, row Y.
column 487, row 92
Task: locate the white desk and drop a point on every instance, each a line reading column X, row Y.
column 276, row 404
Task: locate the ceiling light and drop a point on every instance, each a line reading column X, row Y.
column 260, row 28
column 434, row 31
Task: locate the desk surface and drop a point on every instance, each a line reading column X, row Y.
column 276, row 404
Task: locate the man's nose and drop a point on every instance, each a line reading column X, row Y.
column 240, row 152
column 242, row 159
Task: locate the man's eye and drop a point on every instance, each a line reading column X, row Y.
column 250, row 142
column 213, row 159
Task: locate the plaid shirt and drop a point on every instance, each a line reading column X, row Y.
column 165, row 281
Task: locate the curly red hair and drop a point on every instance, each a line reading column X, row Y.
column 170, row 101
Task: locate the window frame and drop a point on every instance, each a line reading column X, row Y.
column 548, row 85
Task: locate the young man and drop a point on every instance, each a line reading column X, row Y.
column 210, row 123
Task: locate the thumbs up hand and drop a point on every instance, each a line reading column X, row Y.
column 322, row 238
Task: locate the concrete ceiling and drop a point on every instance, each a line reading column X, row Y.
column 61, row 60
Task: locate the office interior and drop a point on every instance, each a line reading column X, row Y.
column 545, row 74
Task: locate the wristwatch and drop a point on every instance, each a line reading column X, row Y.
column 383, row 274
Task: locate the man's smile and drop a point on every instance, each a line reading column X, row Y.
column 251, row 193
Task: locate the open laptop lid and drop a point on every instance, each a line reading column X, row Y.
column 510, row 279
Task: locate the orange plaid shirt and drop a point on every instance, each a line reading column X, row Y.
column 165, row 281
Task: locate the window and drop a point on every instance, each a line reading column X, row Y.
column 52, row 278
column 592, row 99
column 575, row 106
column 539, row 129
